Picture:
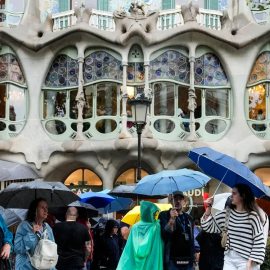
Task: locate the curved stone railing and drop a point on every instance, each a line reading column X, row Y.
column 168, row 19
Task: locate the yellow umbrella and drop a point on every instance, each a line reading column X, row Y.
column 134, row 215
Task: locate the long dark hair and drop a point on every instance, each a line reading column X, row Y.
column 249, row 202
column 31, row 214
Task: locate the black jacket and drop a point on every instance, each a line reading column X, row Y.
column 212, row 253
column 107, row 247
column 167, row 234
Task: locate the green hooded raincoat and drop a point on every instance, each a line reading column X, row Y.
column 144, row 248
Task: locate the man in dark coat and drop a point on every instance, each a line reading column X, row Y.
column 178, row 236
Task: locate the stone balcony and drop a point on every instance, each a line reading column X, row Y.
column 168, row 19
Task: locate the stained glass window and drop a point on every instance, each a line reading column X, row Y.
column 261, row 69
column 170, row 65
column 10, row 69
column 64, row 72
column 209, row 71
column 102, row 65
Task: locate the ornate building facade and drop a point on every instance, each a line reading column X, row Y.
column 64, row 85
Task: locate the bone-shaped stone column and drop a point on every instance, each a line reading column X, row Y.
column 124, row 132
column 80, row 99
column 192, row 105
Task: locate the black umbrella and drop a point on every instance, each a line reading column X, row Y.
column 85, row 211
column 20, row 195
column 14, row 171
column 126, row 191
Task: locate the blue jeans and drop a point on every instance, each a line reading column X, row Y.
column 87, row 267
column 172, row 266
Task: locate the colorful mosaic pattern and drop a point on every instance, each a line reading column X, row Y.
column 209, row 71
column 170, row 65
column 135, row 72
column 64, row 72
column 10, row 69
column 261, row 69
column 102, row 65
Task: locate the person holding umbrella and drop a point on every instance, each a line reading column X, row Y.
column 241, row 228
column 29, row 233
column 178, row 236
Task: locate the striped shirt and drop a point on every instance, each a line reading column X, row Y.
column 245, row 233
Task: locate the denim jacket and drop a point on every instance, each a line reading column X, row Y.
column 26, row 241
column 167, row 233
column 8, row 236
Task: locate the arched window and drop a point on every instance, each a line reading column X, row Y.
column 129, row 177
column 83, row 180
column 102, row 73
column 12, row 95
column 170, row 77
column 257, row 96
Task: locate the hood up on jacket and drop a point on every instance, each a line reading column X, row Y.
column 144, row 248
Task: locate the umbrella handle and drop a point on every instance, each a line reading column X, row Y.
column 220, row 183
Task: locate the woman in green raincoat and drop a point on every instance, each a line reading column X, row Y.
column 144, row 248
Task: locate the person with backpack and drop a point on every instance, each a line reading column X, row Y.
column 30, row 233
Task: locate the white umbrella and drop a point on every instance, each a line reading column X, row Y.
column 220, row 200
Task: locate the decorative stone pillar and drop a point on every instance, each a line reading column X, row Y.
column 81, row 102
column 148, row 92
column 192, row 105
column 124, row 132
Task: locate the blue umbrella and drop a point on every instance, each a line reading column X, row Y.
column 116, row 205
column 97, row 199
column 228, row 170
column 167, row 182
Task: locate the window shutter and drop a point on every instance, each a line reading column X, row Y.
column 168, row 4
column 103, row 5
column 64, row 5
column 211, row 4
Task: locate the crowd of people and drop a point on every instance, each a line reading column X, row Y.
column 233, row 239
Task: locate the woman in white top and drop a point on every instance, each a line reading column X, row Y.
column 245, row 246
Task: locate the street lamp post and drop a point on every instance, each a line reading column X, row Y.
column 139, row 106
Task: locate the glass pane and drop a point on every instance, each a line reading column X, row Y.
column 106, row 99
column 183, row 111
column 259, row 127
column 257, row 102
column 2, row 126
column 215, row 126
column 55, row 127
column 106, row 126
column 54, row 104
column 73, row 114
column 14, row 19
column 164, row 99
column 185, row 126
column 217, row 103
column 2, row 17
column 86, row 126
column 2, row 4
column 164, row 126
column 3, row 88
column 16, row 5
column 15, row 128
column 88, row 95
column 16, row 103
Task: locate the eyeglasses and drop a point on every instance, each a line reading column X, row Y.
column 179, row 198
